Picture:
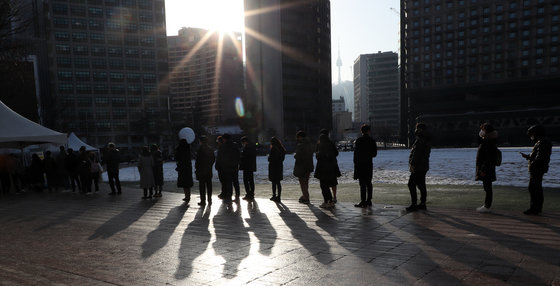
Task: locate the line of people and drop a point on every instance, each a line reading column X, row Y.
column 81, row 171
column 229, row 161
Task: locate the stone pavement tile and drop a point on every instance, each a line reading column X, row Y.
column 442, row 277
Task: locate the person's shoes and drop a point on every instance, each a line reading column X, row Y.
column 201, row 203
column 304, row 201
column 324, row 205
column 209, row 202
column 334, row 200
column 361, row 205
column 273, row 198
column 119, row 192
column 412, row 208
column 112, row 193
column 237, row 199
column 422, row 206
column 331, row 204
column 369, row 204
column 187, row 200
column 531, row 212
column 483, row 209
column 246, row 198
column 221, row 196
column 277, row 200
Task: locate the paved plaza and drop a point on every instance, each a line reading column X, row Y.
column 68, row 238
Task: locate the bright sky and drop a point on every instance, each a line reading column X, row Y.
column 361, row 26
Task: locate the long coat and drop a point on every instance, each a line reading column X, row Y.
column 158, row 167
column 304, row 159
column 276, row 164
column 146, row 169
column 248, row 160
column 486, row 160
column 365, row 151
column 184, row 167
column 419, row 159
column 327, row 167
column 203, row 165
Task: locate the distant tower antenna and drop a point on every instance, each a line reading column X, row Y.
column 339, row 63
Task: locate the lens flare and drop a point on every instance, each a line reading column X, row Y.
column 239, row 107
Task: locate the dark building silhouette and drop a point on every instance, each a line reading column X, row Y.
column 103, row 68
column 288, row 50
column 206, row 77
column 467, row 61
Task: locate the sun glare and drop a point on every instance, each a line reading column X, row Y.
column 223, row 16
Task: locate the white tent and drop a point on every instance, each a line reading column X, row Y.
column 75, row 143
column 17, row 131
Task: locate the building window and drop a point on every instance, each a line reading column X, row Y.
column 65, row 75
column 97, row 38
column 60, row 9
column 62, row 49
column 96, row 25
column 60, row 22
column 95, row 12
column 98, row 51
column 80, row 50
column 99, row 76
column 61, row 36
column 79, row 37
column 114, row 52
column 78, row 10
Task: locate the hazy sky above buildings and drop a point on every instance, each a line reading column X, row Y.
column 361, row 26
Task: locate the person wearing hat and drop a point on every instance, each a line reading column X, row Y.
column 486, row 163
column 538, row 162
column 419, row 164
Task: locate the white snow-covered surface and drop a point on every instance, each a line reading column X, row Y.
column 447, row 167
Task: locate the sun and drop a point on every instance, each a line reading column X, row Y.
column 223, row 16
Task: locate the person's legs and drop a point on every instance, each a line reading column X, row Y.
column 487, row 184
column 536, row 192
column 236, row 184
column 187, row 192
column 326, row 191
column 95, row 177
column 412, row 190
column 202, row 191
column 421, row 183
column 304, row 184
column 279, row 191
column 111, row 177
column 208, row 183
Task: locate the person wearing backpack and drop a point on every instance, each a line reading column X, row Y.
column 486, row 163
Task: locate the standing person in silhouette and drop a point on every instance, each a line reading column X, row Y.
column 327, row 169
column 157, row 157
column 36, row 170
column 228, row 162
column 203, row 170
column 184, row 169
column 61, row 172
column 276, row 167
column 538, row 160
column 303, row 165
column 146, row 169
column 248, row 164
column 364, row 152
column 95, row 170
column 84, row 168
column 49, row 165
column 112, row 160
column 71, row 163
column 419, row 164
column 218, row 165
column 486, row 163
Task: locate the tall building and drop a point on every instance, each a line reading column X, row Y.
column 342, row 119
column 206, row 77
column 288, row 51
column 106, row 65
column 376, row 93
column 465, row 62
